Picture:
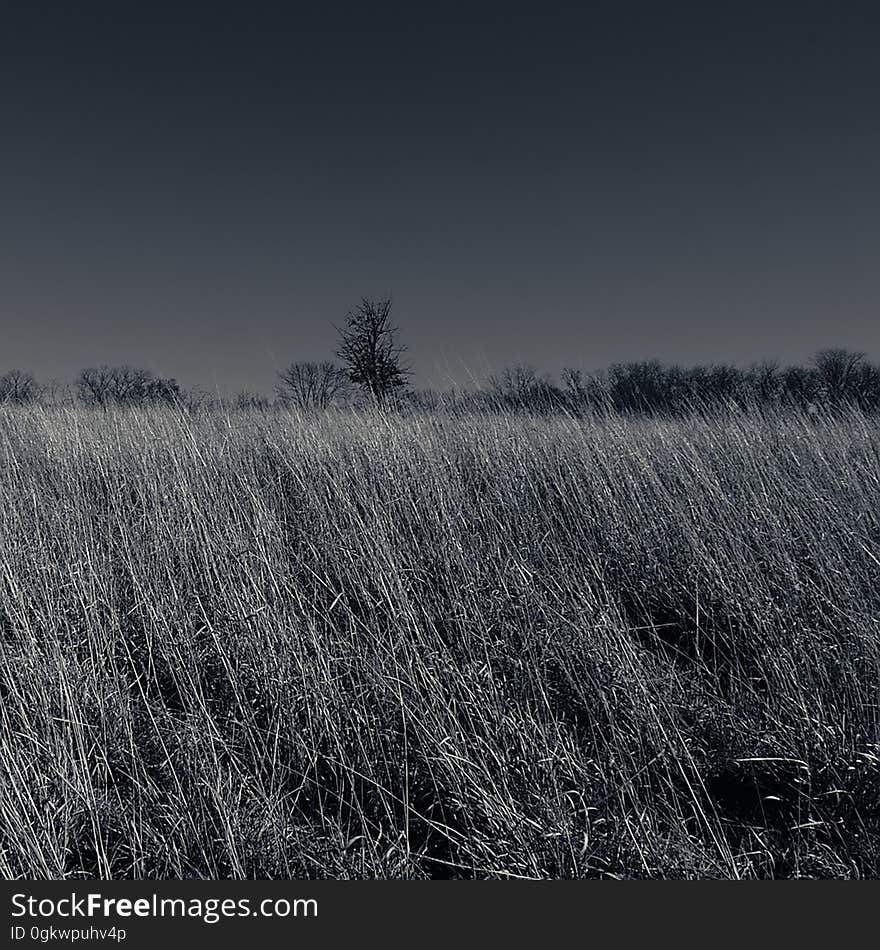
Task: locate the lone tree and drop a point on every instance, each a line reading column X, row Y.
column 312, row 385
column 369, row 350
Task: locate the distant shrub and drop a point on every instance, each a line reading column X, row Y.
column 308, row 385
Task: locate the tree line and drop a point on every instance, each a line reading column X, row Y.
column 833, row 377
column 371, row 370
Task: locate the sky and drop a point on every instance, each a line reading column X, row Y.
column 205, row 189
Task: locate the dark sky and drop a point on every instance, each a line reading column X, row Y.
column 203, row 189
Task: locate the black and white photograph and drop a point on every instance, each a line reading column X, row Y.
column 439, row 443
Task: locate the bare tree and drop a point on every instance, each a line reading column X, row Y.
column 573, row 381
column 124, row 386
column 764, row 381
column 515, row 383
column 368, row 348
column 800, row 385
column 106, row 385
column 866, row 386
column 838, row 372
column 312, row 385
column 93, row 386
column 18, row 387
column 521, row 387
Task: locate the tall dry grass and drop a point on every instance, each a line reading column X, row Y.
column 255, row 645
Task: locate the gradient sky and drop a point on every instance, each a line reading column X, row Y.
column 204, row 188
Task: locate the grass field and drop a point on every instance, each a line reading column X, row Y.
column 355, row 645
